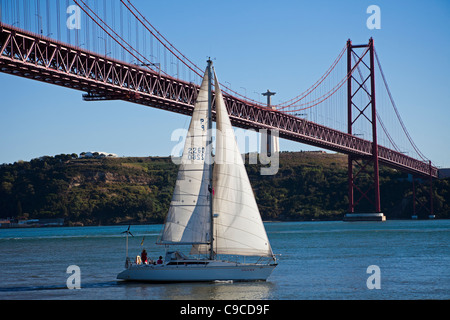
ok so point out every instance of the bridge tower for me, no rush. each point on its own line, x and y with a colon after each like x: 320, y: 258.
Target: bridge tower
x: 361, y: 82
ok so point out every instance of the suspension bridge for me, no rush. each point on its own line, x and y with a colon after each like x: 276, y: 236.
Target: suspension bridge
x: 110, y: 51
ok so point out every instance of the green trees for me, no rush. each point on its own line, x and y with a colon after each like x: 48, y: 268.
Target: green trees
x: 308, y: 186
x: 302, y: 190
x: 87, y: 191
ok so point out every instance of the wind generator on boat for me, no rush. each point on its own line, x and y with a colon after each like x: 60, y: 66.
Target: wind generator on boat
x: 213, y: 209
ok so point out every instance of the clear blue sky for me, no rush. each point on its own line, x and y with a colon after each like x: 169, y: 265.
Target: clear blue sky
x: 280, y: 45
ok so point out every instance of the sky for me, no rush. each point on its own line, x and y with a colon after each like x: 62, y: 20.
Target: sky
x: 283, y: 45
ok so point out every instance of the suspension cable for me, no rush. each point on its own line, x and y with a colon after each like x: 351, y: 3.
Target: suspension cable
x: 115, y: 33
x: 315, y: 85
x: 419, y: 153
x: 189, y: 63
x: 327, y: 95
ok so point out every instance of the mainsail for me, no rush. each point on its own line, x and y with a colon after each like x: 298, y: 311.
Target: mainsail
x: 189, y: 219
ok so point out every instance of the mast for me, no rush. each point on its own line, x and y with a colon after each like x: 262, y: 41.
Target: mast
x: 209, y: 159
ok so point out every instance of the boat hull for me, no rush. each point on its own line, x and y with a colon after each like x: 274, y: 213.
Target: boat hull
x: 213, y: 271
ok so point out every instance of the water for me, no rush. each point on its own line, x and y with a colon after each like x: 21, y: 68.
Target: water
x: 318, y: 260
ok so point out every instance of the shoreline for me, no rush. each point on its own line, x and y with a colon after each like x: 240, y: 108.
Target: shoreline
x: 80, y: 225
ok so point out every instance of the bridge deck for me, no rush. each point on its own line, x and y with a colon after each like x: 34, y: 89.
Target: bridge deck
x: 33, y: 56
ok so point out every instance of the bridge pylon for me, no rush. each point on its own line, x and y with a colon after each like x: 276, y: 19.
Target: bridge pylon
x: 361, y: 105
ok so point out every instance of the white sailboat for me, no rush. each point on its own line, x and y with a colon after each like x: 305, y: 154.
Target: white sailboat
x: 209, y: 201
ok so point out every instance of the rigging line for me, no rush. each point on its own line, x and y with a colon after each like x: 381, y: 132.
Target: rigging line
x: 420, y: 154
x: 126, y: 48
x: 315, y: 85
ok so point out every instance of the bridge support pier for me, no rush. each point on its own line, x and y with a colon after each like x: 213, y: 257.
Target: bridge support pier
x: 364, y: 217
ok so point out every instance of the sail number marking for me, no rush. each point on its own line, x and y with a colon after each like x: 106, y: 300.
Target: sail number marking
x: 196, y: 153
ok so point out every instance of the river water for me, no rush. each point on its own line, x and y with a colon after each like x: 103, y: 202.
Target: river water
x: 317, y: 260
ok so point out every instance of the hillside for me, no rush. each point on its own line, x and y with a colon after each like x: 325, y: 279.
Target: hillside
x: 308, y: 186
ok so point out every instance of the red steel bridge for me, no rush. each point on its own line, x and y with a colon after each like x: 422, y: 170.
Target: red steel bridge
x: 94, y: 61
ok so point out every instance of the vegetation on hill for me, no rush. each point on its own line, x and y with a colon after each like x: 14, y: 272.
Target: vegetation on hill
x: 308, y: 186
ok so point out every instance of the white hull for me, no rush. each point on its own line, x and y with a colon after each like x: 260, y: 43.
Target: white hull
x: 202, y: 271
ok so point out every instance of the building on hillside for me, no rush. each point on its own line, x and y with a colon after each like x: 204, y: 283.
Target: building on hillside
x: 97, y: 155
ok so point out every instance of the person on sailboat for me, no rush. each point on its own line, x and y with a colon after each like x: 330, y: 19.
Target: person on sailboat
x: 144, y: 256
x: 159, y: 260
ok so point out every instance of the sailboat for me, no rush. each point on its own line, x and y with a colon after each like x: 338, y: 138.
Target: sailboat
x: 213, y: 209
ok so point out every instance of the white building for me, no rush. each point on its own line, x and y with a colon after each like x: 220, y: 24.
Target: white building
x: 98, y: 154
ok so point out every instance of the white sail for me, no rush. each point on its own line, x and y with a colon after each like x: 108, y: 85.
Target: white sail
x: 188, y: 220
x: 238, y: 228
